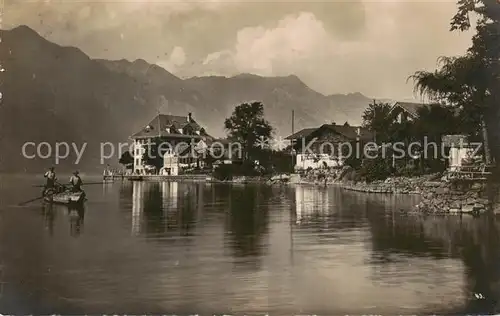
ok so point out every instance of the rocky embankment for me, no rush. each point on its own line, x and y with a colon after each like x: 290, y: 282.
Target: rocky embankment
x: 438, y: 196
x: 395, y: 185
x: 443, y: 199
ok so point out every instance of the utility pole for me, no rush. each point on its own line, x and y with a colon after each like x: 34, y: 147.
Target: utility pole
x: 292, y: 140
x: 374, y: 114
x: 159, y: 127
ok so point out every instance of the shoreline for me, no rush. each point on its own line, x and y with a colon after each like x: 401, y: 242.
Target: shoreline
x: 438, y: 196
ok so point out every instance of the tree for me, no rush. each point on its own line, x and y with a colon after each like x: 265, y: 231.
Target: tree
x: 432, y: 123
x: 153, y: 155
x: 376, y: 118
x: 471, y: 82
x: 127, y: 160
x: 247, y: 126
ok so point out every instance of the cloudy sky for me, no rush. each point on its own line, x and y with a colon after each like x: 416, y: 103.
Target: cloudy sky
x: 333, y: 46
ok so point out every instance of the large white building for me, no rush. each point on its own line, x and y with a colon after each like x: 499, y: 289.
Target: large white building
x: 180, y: 132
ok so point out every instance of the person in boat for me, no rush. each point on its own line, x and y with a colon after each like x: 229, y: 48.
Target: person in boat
x: 76, y: 182
x: 50, y: 183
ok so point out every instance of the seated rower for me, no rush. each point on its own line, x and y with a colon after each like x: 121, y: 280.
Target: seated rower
x: 76, y: 182
x: 50, y: 183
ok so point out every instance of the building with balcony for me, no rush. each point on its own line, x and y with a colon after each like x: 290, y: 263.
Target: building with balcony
x: 180, y: 132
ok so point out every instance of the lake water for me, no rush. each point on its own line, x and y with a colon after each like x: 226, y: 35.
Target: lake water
x: 181, y: 248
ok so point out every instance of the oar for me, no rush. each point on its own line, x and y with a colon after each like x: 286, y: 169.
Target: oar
x: 89, y: 183
x: 33, y: 200
x: 85, y: 183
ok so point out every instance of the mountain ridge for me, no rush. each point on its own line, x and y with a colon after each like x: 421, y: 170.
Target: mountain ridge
x: 53, y: 91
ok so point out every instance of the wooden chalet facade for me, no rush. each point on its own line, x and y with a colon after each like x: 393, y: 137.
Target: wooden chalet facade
x: 325, y: 144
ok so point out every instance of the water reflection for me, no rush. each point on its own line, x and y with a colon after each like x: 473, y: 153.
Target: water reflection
x: 327, y: 208
x: 310, y: 202
x: 160, y: 209
x: 49, y: 215
x: 76, y: 217
x: 137, y: 205
x: 398, y: 241
x: 221, y: 248
x: 247, y: 221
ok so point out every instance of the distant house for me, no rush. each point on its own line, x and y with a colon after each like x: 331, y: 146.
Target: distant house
x: 405, y: 111
x: 179, y: 131
x: 325, y: 142
x: 460, y: 151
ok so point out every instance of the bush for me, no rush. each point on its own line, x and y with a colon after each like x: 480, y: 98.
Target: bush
x: 374, y: 169
x: 224, y: 172
x: 273, y: 162
x: 227, y: 172
x: 353, y: 162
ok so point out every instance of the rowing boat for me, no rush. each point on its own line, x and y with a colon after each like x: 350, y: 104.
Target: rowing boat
x: 66, y: 198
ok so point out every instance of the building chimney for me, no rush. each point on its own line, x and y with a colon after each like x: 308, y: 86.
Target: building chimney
x: 189, y: 118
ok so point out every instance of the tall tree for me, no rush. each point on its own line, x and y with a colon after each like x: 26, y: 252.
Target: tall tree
x: 376, y: 118
x: 432, y: 123
x: 435, y: 121
x: 472, y: 82
x: 247, y: 126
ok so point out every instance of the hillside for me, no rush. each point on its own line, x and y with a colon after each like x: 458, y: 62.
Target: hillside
x: 53, y: 94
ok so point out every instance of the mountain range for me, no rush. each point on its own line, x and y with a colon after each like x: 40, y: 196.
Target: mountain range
x: 52, y: 93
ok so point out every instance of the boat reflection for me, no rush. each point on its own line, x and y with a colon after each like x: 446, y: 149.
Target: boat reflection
x: 76, y: 219
x: 75, y: 214
x: 49, y: 216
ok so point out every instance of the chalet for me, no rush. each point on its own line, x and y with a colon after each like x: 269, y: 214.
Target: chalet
x: 178, y: 131
x: 405, y: 111
x: 327, y: 141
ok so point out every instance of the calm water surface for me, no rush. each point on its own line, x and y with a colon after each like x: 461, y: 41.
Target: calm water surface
x: 139, y: 247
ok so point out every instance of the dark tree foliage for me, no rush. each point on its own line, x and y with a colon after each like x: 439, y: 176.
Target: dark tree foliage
x: 127, y: 160
x: 248, y: 126
x: 153, y: 155
x: 435, y: 121
x: 376, y: 118
x: 471, y: 82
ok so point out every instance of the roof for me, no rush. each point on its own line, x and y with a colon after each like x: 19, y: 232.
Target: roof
x: 170, y: 125
x: 409, y: 107
x: 302, y: 133
x: 350, y: 132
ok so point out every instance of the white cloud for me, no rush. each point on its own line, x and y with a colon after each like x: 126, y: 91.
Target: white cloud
x: 370, y: 46
x: 297, y: 38
x: 263, y: 51
x: 399, y: 38
x: 178, y: 56
x: 176, y: 59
